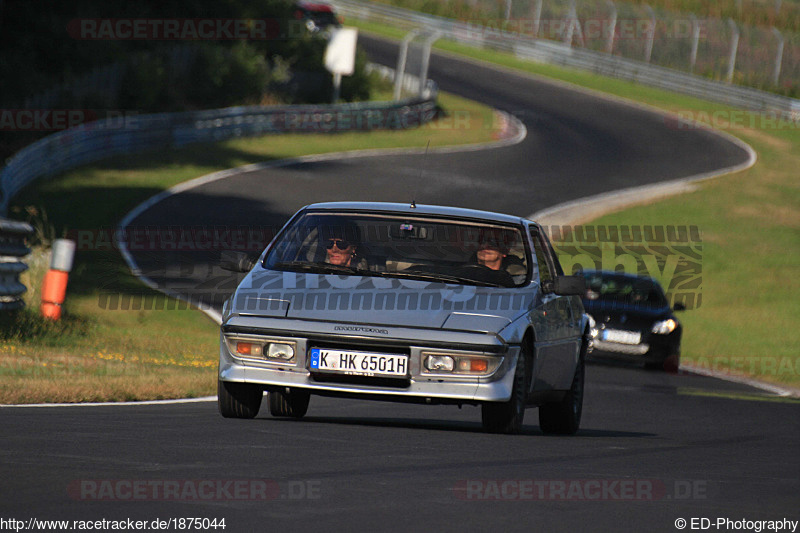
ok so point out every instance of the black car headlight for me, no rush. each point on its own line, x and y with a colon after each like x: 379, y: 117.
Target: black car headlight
x: 664, y: 327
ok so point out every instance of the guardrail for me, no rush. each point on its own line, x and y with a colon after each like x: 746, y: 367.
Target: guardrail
x: 99, y: 140
x: 561, y: 54
x: 12, y: 249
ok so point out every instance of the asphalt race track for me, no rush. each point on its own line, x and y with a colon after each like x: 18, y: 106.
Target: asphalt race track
x: 653, y: 447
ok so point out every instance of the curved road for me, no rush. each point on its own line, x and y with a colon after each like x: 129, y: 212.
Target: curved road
x: 653, y: 447
x: 577, y: 145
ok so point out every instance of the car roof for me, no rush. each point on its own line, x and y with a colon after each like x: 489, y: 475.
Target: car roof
x: 419, y: 209
x: 315, y: 6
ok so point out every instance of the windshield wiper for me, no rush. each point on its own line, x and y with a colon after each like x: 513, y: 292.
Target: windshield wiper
x: 320, y: 268
x: 444, y: 278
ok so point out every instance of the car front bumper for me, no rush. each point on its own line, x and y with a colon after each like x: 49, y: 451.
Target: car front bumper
x: 418, y: 386
x: 650, y: 350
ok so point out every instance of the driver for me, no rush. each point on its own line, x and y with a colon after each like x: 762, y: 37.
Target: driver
x: 341, y: 243
x: 339, y: 251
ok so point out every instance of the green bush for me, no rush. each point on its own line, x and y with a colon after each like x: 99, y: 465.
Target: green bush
x: 358, y: 87
x: 143, y: 85
x: 310, y: 82
x: 159, y: 76
x: 221, y: 77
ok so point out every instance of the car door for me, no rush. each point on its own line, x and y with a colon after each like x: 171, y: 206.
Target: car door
x: 557, y: 343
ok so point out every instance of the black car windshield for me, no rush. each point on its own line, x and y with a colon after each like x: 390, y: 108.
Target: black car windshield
x: 398, y: 246
x: 323, y: 18
x: 624, y: 290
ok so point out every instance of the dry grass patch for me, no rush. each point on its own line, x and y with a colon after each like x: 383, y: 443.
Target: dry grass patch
x: 162, y: 385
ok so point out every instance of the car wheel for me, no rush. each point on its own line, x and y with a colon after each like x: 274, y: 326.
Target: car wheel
x: 564, y: 417
x: 292, y: 403
x: 506, y: 417
x: 238, y: 400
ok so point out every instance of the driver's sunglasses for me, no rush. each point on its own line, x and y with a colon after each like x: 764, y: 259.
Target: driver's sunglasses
x: 340, y: 244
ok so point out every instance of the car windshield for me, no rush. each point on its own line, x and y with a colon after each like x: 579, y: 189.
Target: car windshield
x: 624, y: 290
x: 323, y: 18
x: 398, y: 246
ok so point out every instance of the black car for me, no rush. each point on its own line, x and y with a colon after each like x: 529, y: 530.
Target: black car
x: 632, y: 319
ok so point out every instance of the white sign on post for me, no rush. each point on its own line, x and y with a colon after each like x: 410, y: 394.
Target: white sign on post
x: 340, y: 56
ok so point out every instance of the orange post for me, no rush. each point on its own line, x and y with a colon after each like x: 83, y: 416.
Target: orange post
x: 54, y: 286
x: 54, y: 289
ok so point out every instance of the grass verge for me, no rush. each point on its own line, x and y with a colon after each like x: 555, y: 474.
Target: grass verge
x: 750, y: 224
x: 94, y: 354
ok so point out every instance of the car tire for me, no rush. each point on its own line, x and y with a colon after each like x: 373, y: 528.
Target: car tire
x: 292, y: 403
x: 564, y: 417
x: 238, y: 400
x: 506, y: 417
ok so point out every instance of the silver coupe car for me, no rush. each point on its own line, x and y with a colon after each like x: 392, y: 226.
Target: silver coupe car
x: 406, y: 303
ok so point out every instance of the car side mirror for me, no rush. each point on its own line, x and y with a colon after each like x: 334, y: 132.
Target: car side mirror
x: 569, y: 285
x: 679, y: 307
x: 236, y: 261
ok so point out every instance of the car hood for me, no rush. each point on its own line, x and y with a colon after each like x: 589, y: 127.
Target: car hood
x: 605, y: 312
x: 378, y: 301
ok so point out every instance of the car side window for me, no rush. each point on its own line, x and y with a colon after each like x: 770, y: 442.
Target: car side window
x: 545, y: 271
x: 556, y: 263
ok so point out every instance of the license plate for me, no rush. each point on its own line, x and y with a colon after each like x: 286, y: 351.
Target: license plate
x: 622, y: 337
x: 358, y: 363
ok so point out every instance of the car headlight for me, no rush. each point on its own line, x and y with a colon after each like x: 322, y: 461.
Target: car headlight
x: 440, y: 363
x: 462, y: 364
x: 278, y: 350
x: 664, y: 327
x: 263, y: 349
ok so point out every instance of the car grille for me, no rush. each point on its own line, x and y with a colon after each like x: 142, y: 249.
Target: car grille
x: 361, y: 346
x: 361, y: 381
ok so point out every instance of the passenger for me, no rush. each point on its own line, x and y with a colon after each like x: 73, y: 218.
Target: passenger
x: 491, y: 254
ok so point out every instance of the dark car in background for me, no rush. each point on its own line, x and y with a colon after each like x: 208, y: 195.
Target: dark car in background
x: 317, y: 17
x: 633, y: 319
